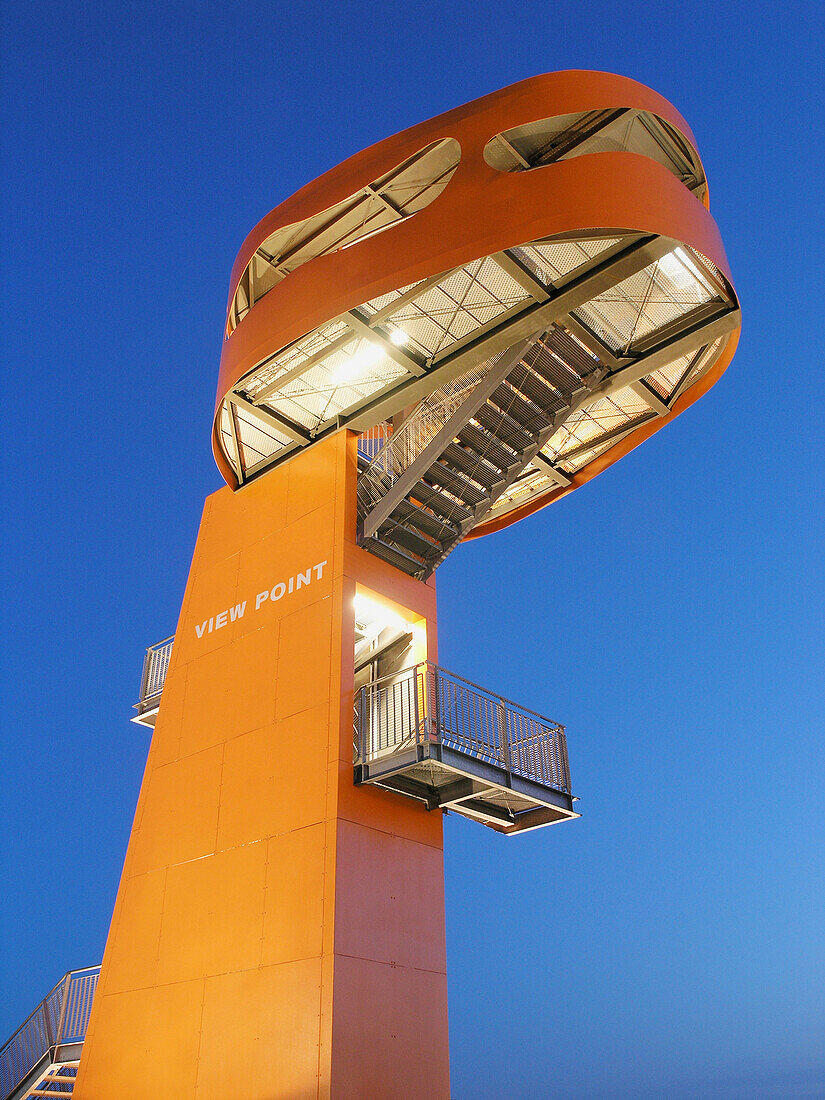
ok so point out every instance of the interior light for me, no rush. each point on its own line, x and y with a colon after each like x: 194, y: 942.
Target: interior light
x: 398, y: 338
x: 682, y: 271
x: 371, y: 613
x: 368, y: 356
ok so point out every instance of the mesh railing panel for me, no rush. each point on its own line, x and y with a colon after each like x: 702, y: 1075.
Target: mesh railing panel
x: 155, y: 667
x: 404, y: 446
x: 24, y: 1050
x: 390, y: 715
x: 62, y: 1017
x: 79, y: 1005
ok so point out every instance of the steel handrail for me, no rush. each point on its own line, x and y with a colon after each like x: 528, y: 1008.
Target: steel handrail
x: 427, y: 703
x: 470, y: 683
x: 404, y: 445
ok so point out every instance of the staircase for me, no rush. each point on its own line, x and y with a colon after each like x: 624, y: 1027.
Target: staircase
x: 443, y: 469
x: 42, y: 1056
x: 58, y: 1080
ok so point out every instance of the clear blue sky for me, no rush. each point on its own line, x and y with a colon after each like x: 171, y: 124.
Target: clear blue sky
x: 671, y: 943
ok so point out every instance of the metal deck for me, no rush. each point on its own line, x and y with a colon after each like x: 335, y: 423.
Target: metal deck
x: 453, y: 745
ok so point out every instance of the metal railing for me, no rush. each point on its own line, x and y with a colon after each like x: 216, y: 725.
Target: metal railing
x: 60, y: 1019
x: 373, y: 439
x: 402, y: 447
x: 155, y: 667
x: 426, y: 704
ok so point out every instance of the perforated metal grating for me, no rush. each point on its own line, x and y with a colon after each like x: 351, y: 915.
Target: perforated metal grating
x: 321, y: 380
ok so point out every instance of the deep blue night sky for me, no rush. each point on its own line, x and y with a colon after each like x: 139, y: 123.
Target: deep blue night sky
x: 671, y: 943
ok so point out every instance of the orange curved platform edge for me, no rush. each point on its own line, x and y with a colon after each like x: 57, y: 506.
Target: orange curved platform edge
x: 612, y: 190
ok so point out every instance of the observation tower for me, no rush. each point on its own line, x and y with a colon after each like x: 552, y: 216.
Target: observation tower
x: 448, y: 331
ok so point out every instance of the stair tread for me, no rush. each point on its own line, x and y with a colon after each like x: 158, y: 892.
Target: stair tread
x: 482, y: 443
x: 531, y: 418
x: 408, y: 538
x: 469, y: 462
x: 504, y: 427
x: 532, y: 385
x: 451, y: 510
x: 441, y: 474
x: 551, y: 359
x: 395, y: 557
x: 415, y: 515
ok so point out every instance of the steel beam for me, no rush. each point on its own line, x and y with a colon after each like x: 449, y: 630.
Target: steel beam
x: 650, y: 397
x: 544, y: 464
x: 522, y: 275
x: 613, y: 436
x: 704, y: 332
x: 236, y: 446
x: 682, y: 384
x: 275, y: 420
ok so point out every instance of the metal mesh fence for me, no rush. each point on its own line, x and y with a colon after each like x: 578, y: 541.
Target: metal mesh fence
x: 61, y: 1017
x: 155, y: 667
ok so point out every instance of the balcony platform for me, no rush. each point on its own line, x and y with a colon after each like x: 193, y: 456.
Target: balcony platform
x: 155, y: 667
x: 429, y: 735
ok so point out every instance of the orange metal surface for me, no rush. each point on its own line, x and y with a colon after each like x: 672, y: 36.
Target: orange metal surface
x: 278, y: 932
x: 615, y: 190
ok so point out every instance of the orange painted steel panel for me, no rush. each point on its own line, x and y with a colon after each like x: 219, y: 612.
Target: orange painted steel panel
x: 296, y: 869
x: 400, y: 998
x: 247, y: 1010
x: 256, y: 869
x: 137, y: 929
x: 613, y: 190
x: 178, y: 819
x: 398, y: 878
x: 213, y: 914
x: 143, y: 1043
x: 255, y: 796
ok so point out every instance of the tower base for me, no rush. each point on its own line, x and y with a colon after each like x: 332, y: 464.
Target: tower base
x: 278, y: 932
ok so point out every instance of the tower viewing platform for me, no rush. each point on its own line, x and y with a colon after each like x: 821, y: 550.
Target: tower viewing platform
x: 453, y: 328
x: 503, y: 312
x: 453, y: 745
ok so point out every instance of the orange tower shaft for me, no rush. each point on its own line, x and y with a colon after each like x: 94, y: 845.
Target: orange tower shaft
x: 277, y: 932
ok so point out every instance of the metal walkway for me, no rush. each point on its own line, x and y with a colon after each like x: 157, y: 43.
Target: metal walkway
x: 430, y: 735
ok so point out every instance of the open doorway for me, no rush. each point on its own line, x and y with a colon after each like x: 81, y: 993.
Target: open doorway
x: 390, y: 648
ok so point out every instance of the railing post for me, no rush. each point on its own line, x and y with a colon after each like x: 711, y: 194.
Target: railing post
x: 418, y: 709
x: 144, y: 679
x: 505, y: 739
x: 47, y: 1027
x: 356, y: 727
x: 434, y: 671
x: 564, y: 760
x: 362, y: 731
x: 67, y: 984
